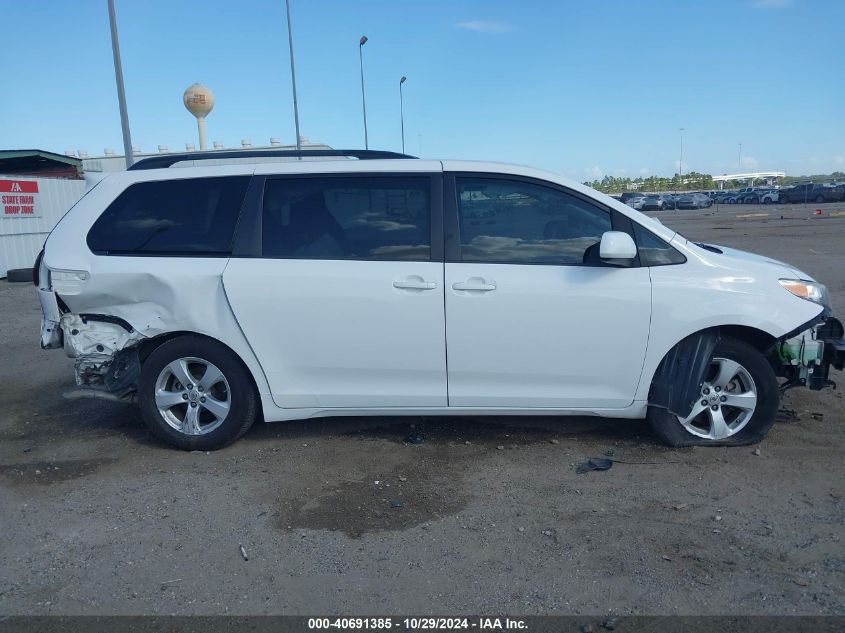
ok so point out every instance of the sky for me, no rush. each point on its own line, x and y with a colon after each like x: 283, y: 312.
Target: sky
x: 583, y: 88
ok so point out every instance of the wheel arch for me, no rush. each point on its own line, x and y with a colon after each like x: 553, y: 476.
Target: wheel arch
x: 148, y: 346
x: 669, y: 387
x: 761, y: 340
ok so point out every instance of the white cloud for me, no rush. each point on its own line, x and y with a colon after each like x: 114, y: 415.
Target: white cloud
x: 749, y: 162
x: 485, y: 26
x: 594, y: 172
x: 772, y: 4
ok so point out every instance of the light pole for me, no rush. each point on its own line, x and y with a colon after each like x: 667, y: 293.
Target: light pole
x: 402, y: 110
x: 681, y: 162
x: 293, y: 77
x: 361, y: 43
x: 121, y: 95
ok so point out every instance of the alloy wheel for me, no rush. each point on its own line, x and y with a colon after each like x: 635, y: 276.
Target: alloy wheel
x: 192, y: 396
x: 726, y: 403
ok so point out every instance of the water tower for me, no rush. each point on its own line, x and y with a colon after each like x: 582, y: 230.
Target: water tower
x: 199, y: 101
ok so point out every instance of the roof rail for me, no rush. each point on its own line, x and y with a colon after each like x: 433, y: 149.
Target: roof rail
x: 168, y: 160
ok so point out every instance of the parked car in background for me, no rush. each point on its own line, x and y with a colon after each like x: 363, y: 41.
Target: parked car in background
x: 670, y: 201
x: 737, y: 196
x: 636, y: 202
x: 770, y: 196
x: 653, y: 203
x: 628, y: 195
x: 813, y: 192
x: 693, y: 200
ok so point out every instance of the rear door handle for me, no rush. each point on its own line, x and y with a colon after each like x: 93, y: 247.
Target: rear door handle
x: 474, y: 283
x: 414, y: 283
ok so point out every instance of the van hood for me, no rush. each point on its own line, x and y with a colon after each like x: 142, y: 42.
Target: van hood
x: 745, y: 256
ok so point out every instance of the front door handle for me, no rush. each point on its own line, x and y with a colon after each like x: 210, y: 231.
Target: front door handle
x: 414, y: 283
x: 474, y: 284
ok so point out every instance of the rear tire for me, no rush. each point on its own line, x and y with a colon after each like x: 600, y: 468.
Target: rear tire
x: 754, y: 375
x: 196, y: 394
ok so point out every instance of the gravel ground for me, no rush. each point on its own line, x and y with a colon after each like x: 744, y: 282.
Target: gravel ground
x: 485, y: 515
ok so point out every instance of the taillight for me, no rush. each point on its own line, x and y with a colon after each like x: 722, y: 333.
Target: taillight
x: 36, y: 270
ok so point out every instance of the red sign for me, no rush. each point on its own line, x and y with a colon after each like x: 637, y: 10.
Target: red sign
x: 17, y: 198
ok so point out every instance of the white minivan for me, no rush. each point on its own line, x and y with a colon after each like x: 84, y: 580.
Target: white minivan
x: 370, y: 283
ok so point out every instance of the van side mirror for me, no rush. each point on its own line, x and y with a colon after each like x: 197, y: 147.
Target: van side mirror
x: 615, y: 246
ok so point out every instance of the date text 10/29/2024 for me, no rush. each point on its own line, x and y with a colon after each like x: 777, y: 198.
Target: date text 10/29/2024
x: 415, y: 624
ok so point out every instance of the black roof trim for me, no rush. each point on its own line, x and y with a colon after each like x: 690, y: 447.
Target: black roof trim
x: 167, y: 160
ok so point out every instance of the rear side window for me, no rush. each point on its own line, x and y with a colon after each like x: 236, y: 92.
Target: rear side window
x: 195, y: 216
x: 514, y: 222
x: 361, y: 217
x: 653, y: 250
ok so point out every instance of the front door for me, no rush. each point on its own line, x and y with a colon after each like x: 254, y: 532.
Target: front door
x: 533, y: 317
x: 344, y: 305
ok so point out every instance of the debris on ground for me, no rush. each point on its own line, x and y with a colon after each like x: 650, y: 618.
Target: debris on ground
x: 594, y: 463
x: 609, y: 452
x: 500, y: 448
x: 395, y: 503
x: 415, y: 437
x: 757, y: 451
x: 401, y: 478
x: 817, y: 416
x: 787, y: 415
x: 554, y: 441
x: 666, y: 557
x: 243, y: 551
x: 610, y: 623
x: 521, y: 529
x: 679, y: 506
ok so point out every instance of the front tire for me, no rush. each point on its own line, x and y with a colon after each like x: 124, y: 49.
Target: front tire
x: 737, y: 404
x: 195, y: 394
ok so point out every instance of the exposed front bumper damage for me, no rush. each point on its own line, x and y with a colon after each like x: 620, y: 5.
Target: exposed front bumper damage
x: 105, y: 348
x: 805, y: 358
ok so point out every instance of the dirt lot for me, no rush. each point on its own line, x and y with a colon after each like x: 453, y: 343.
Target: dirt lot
x: 485, y: 515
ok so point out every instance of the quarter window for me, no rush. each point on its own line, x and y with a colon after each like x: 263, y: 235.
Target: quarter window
x: 509, y: 221
x: 364, y: 217
x: 654, y: 251
x: 195, y: 216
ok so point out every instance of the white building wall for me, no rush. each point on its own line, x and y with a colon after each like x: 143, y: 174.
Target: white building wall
x: 21, y: 238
